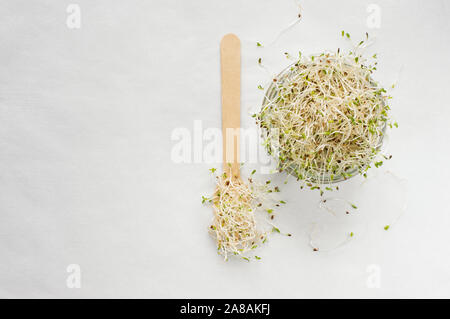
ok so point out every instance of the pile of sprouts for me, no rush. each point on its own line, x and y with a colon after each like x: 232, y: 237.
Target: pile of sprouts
x: 325, y: 117
x: 242, y: 219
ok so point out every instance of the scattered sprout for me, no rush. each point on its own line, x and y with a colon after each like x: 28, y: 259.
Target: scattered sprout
x: 258, y: 44
x: 386, y: 227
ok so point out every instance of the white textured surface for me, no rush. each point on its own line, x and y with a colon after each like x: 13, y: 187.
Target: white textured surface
x: 86, y: 177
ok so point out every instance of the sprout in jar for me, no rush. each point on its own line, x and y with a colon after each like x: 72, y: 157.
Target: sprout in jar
x: 325, y: 117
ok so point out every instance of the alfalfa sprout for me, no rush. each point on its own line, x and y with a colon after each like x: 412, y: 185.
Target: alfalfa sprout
x: 243, y: 214
x: 329, y: 117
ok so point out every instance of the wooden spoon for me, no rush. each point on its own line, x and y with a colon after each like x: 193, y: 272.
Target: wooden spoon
x: 230, y: 62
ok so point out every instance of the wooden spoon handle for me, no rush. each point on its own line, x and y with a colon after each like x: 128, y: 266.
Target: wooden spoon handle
x: 230, y: 62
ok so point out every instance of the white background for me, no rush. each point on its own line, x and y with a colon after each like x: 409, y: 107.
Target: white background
x: 86, y: 175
